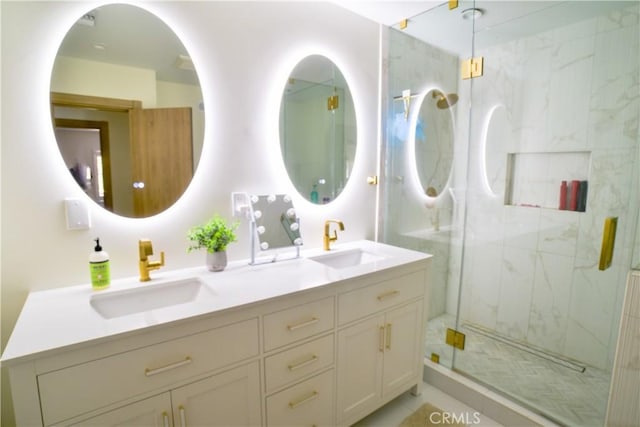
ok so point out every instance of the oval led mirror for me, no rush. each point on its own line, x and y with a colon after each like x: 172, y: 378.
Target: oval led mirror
x: 434, y: 141
x: 318, y: 129
x: 127, y: 110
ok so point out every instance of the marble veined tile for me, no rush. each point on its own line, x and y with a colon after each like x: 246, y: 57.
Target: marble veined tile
x: 516, y: 283
x: 558, y: 232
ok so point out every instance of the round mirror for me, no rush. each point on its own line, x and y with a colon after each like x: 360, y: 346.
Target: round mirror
x: 318, y: 129
x: 127, y: 110
x: 434, y: 141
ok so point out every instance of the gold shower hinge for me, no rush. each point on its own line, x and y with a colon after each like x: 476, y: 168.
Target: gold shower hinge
x: 435, y: 357
x: 453, y: 4
x: 372, y: 180
x: 455, y: 338
x: 332, y: 102
x: 404, y: 24
x: 472, y: 67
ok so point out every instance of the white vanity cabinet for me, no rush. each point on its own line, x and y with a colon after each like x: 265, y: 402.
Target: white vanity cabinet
x: 292, y: 344
x: 380, y: 347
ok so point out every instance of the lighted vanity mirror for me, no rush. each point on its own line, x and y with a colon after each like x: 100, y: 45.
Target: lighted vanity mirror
x: 318, y: 129
x: 434, y: 141
x: 275, y: 221
x: 127, y: 110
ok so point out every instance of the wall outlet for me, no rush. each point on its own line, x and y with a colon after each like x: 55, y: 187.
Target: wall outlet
x: 77, y: 214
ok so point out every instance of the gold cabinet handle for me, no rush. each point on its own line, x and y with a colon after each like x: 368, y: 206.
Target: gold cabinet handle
x: 295, y: 403
x: 183, y: 416
x: 304, y: 363
x: 381, y: 339
x: 386, y: 295
x: 310, y: 322
x: 165, y: 419
x: 150, y: 372
x: 388, y: 340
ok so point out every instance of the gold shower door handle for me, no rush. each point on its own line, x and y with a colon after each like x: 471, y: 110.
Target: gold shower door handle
x: 608, y: 242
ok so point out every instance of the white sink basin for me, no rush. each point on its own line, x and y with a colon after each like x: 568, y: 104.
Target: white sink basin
x: 149, y: 297
x: 347, y: 258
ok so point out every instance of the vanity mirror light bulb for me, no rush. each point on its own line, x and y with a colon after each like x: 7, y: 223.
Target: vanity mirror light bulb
x: 261, y: 229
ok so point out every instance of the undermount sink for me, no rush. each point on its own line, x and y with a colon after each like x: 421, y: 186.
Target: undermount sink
x: 347, y: 258
x: 149, y: 297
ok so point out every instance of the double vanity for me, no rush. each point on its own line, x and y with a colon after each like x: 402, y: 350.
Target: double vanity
x: 323, y: 339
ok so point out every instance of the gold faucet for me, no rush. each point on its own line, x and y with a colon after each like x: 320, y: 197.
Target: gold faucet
x: 146, y: 249
x: 327, y: 238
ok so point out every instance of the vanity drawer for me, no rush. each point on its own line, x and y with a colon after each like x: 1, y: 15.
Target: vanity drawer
x: 309, y: 403
x: 299, y: 322
x: 293, y: 364
x: 77, y: 389
x: 371, y: 299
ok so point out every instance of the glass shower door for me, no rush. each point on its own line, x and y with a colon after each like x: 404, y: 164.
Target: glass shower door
x: 544, y: 155
x: 553, y: 161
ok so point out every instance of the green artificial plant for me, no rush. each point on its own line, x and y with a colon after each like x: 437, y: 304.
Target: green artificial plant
x: 214, y: 235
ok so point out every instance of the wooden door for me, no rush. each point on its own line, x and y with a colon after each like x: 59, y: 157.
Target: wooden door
x: 162, y: 157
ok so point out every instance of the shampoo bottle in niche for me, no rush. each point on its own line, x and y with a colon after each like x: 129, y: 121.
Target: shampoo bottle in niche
x: 99, y: 267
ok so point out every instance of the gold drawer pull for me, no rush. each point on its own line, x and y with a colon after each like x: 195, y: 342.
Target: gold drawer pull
x: 303, y: 324
x: 150, y: 372
x: 309, y: 361
x: 165, y: 419
x: 386, y: 295
x: 183, y: 416
x: 381, y: 339
x: 295, y: 403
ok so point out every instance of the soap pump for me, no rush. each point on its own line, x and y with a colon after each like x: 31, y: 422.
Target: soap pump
x: 314, y: 194
x: 99, y: 267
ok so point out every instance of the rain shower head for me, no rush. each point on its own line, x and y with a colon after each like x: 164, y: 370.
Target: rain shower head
x: 445, y: 102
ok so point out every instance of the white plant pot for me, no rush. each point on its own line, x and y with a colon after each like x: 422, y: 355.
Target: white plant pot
x: 216, y: 261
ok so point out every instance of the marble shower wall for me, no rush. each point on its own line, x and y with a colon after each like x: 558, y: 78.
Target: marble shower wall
x: 566, y: 105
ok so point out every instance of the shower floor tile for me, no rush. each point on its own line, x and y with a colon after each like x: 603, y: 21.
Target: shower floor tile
x: 567, y: 396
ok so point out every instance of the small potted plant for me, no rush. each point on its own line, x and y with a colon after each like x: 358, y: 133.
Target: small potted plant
x: 214, y: 236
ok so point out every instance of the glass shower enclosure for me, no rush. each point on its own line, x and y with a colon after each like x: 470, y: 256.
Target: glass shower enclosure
x: 523, y: 183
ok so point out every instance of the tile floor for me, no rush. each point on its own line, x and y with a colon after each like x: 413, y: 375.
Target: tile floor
x: 392, y: 414
x: 570, y: 397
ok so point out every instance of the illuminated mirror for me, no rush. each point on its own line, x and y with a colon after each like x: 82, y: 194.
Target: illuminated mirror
x: 434, y: 141
x: 127, y: 110
x: 318, y: 129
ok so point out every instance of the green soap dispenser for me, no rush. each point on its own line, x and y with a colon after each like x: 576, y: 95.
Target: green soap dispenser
x: 99, y: 267
x: 314, y: 194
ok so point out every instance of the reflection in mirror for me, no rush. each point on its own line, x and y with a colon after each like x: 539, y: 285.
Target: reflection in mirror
x: 434, y: 141
x: 275, y: 224
x: 127, y: 110
x: 318, y: 129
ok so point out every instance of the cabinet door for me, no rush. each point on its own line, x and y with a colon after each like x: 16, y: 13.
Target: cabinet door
x: 153, y: 412
x: 231, y: 398
x: 402, y: 355
x: 360, y: 358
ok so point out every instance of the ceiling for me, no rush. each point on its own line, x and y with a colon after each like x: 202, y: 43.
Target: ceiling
x: 130, y: 35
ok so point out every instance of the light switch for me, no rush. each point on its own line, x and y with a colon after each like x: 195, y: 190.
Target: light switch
x: 77, y: 213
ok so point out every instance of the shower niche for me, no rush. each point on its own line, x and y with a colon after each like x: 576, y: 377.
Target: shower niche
x: 551, y: 180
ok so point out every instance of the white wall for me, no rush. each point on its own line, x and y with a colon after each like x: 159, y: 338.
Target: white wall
x: 243, y: 52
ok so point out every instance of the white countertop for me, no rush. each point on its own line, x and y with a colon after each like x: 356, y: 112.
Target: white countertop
x: 53, y: 319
